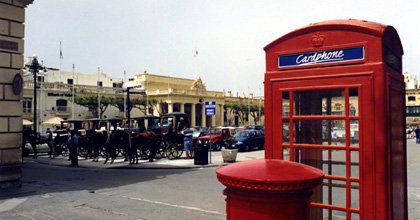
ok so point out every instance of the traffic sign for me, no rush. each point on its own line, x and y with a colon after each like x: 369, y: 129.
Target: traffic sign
x: 210, y: 108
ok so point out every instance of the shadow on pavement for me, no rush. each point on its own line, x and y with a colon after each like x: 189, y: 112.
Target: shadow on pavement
x: 42, y: 179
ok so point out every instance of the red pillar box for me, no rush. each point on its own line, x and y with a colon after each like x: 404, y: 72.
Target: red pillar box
x: 268, y: 189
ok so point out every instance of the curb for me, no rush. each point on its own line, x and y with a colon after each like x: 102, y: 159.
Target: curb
x: 144, y: 165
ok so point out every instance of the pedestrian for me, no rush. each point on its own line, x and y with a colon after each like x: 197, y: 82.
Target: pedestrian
x: 417, y: 132
x: 50, y: 143
x: 32, y: 140
x: 181, y: 125
x: 74, y: 144
x: 188, y: 143
x: 25, y: 138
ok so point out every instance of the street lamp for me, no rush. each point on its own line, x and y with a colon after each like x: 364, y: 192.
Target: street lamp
x: 35, y: 67
x: 127, y: 93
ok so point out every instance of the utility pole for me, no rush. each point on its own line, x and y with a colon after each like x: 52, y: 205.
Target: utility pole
x: 147, y: 96
x: 249, y: 107
x: 99, y: 96
x: 72, y: 96
x: 259, y: 109
x: 34, y: 68
x: 125, y: 100
x: 127, y: 90
x: 41, y: 100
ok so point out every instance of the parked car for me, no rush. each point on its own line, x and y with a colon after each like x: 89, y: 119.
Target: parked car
x: 41, y: 145
x: 410, y: 132
x: 216, y: 137
x: 248, y: 139
x: 255, y: 127
x: 199, y: 132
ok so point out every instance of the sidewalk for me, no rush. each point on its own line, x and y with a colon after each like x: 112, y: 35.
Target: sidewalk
x: 216, y: 161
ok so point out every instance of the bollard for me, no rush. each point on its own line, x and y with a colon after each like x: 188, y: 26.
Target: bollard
x: 268, y: 189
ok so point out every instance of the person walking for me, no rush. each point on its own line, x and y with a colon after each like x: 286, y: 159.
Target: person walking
x: 32, y: 141
x: 417, y: 132
x: 74, y: 144
x: 25, y: 138
x: 188, y: 143
x: 50, y: 143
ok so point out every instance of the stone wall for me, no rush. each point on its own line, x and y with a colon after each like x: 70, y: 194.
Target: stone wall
x: 12, y: 17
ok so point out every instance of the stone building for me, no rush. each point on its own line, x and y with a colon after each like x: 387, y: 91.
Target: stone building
x: 55, y: 92
x: 169, y: 94
x: 12, y: 32
x: 412, y: 99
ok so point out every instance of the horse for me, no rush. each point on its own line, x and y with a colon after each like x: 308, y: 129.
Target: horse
x: 147, y: 142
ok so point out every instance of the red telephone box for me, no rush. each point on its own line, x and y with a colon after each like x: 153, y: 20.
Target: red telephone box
x: 334, y: 99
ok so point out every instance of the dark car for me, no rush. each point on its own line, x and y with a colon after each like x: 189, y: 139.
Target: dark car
x: 255, y: 127
x: 248, y: 139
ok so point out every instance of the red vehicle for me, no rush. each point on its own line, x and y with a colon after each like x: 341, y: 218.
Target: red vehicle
x: 215, y: 137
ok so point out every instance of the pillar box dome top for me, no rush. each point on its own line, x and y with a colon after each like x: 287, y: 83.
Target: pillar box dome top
x: 270, y: 174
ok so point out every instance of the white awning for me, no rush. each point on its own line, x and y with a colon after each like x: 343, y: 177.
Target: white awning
x: 26, y: 122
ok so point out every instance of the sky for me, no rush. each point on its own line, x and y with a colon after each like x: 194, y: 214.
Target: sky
x: 162, y: 36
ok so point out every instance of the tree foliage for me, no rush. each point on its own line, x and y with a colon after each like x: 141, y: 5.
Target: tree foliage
x: 144, y: 104
x: 242, y: 111
x: 91, y: 102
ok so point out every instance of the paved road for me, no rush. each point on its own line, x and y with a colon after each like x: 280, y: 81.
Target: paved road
x: 59, y: 192
x: 413, y: 177
x: 78, y: 193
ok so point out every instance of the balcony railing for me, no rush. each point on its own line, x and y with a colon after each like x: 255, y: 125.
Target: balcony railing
x: 185, y: 92
x: 27, y: 110
x: 67, y: 87
x: 62, y: 109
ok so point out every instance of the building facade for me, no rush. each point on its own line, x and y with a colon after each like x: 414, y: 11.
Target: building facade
x: 12, y: 32
x: 412, y: 99
x: 165, y: 94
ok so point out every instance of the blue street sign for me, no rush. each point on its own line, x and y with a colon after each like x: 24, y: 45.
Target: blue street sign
x: 210, y: 108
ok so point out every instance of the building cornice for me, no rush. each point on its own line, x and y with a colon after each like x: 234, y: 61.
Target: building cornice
x: 25, y: 3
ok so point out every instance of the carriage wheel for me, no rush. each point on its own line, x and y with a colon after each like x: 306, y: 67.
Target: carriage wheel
x: 65, y: 150
x: 173, y: 151
x: 61, y: 149
x: 82, y: 151
x: 139, y: 152
x: 144, y: 152
x: 102, y: 152
x: 180, y: 150
x: 119, y: 152
x: 161, y: 150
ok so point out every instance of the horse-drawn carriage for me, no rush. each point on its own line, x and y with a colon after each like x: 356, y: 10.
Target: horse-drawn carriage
x: 158, y: 137
x: 151, y: 136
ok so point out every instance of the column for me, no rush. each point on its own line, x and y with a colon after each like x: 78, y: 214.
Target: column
x: 203, y: 116
x: 213, y: 120
x: 12, y: 29
x: 170, y: 107
x: 157, y: 109
x: 181, y: 107
x: 193, y: 115
x: 222, y: 115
